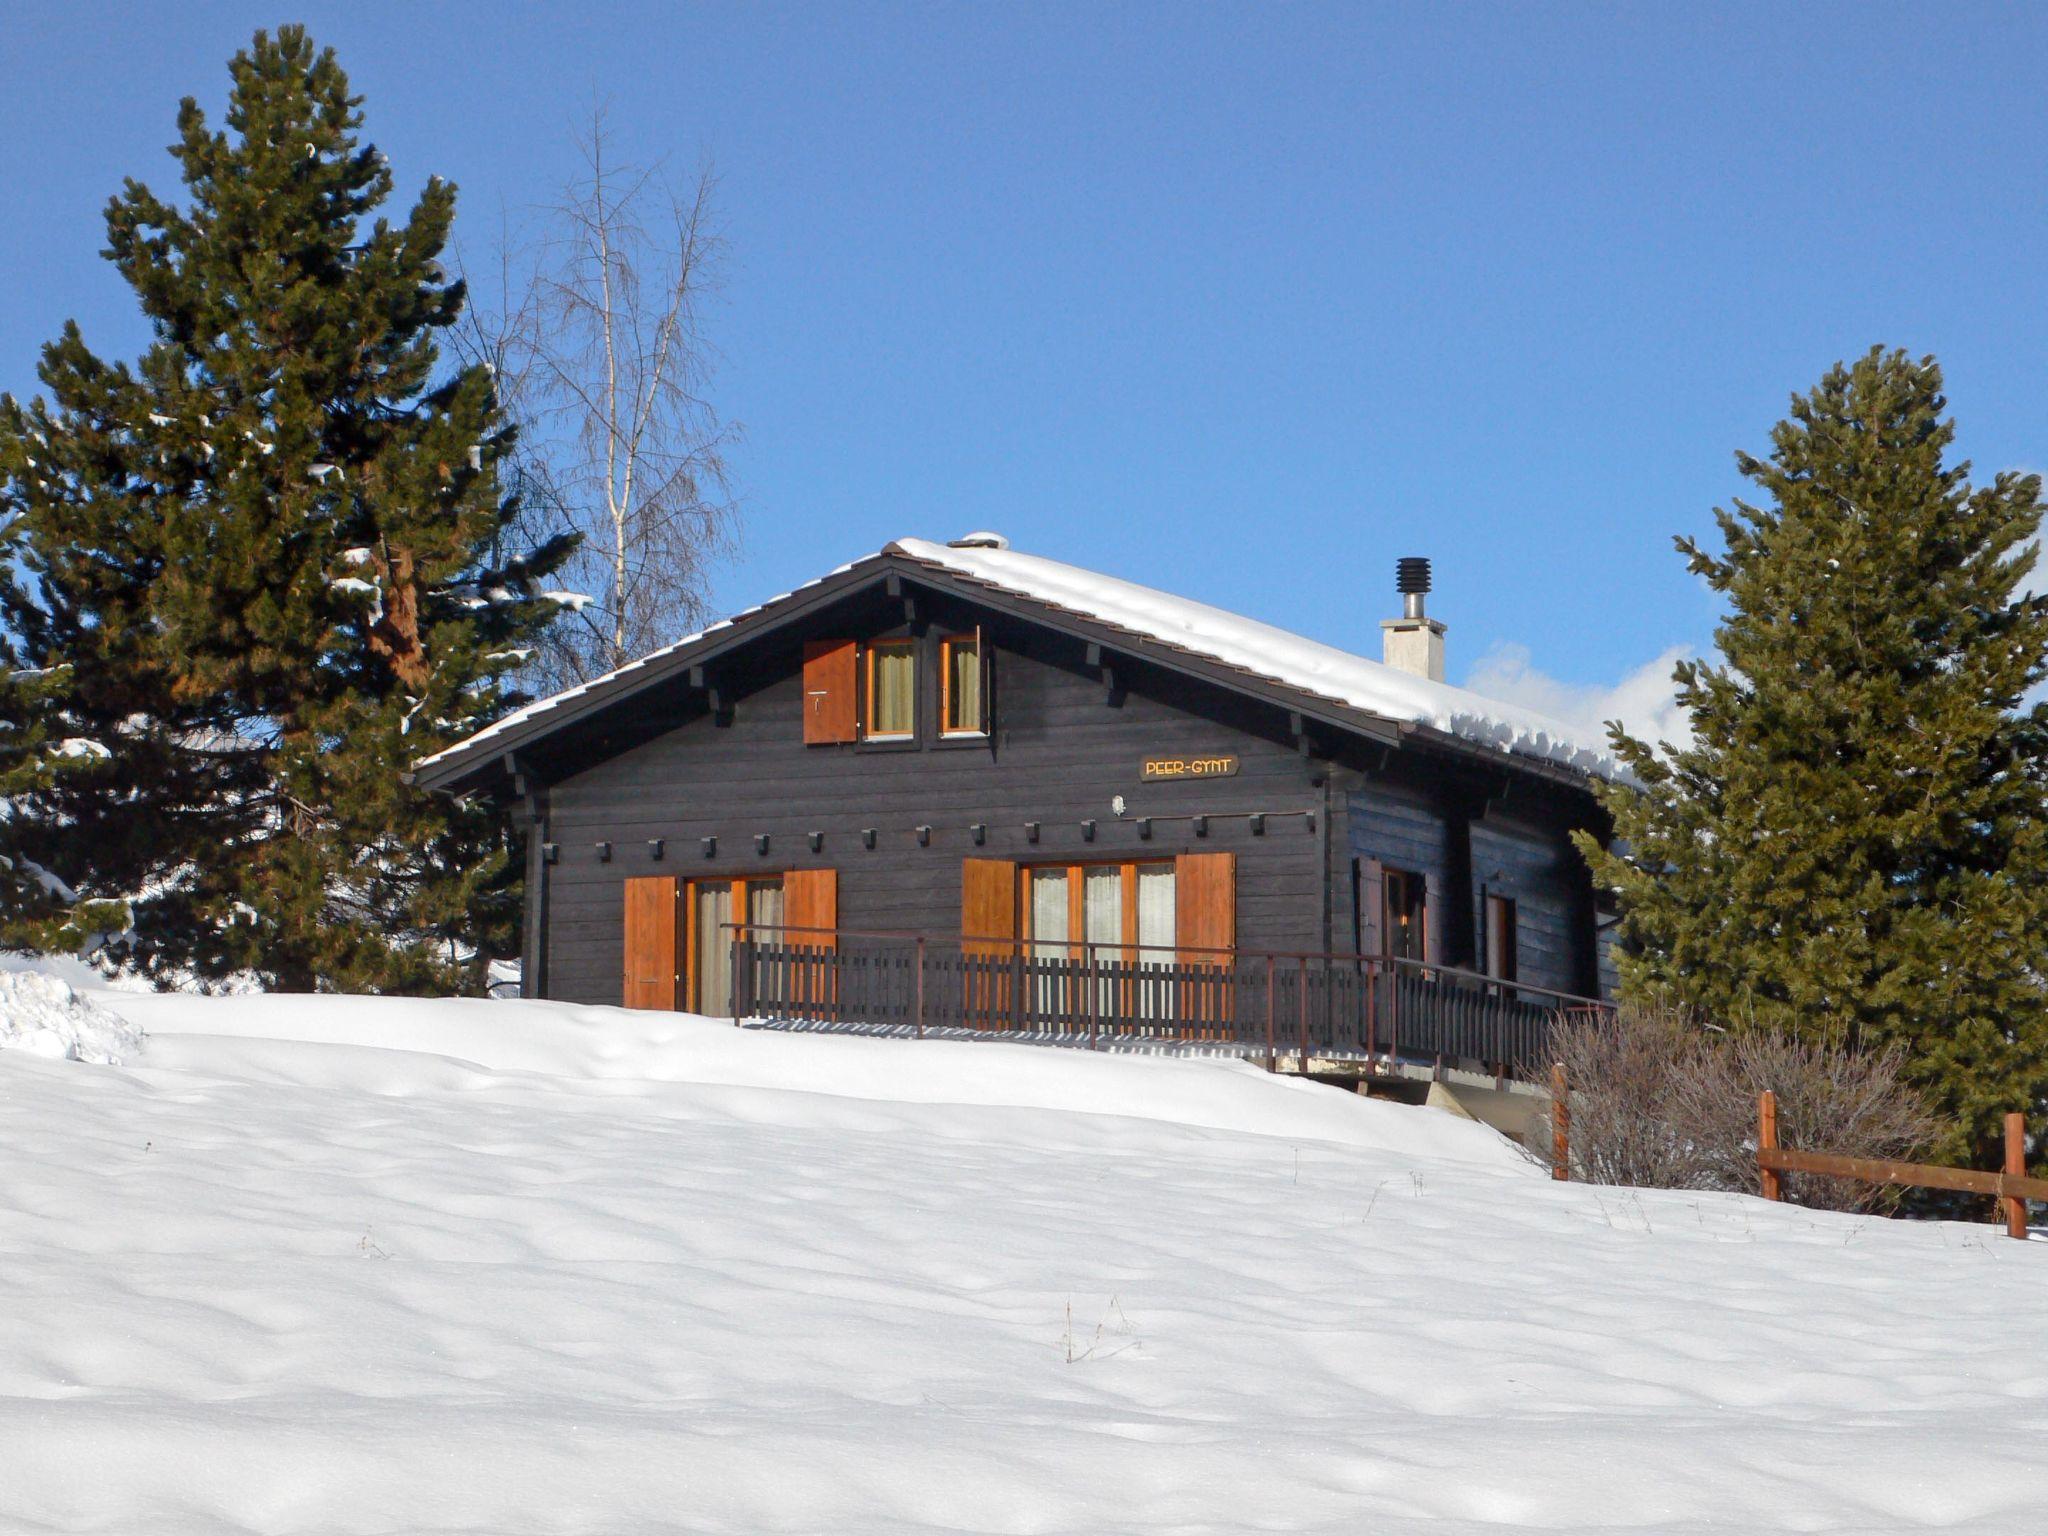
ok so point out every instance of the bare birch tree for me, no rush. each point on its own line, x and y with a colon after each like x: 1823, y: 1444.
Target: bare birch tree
x: 601, y: 355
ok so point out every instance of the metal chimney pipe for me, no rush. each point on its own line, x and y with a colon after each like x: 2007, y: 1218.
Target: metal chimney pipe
x: 1411, y: 580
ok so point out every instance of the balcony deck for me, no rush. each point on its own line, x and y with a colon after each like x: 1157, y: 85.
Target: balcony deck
x: 1318, y: 1014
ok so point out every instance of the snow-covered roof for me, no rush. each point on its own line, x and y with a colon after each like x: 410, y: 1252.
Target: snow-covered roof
x: 1261, y: 650
x: 1266, y: 651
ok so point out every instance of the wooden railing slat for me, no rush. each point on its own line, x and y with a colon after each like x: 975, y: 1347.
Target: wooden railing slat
x: 1319, y: 1003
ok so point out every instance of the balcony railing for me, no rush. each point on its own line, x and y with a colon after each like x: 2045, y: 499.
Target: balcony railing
x: 1262, y: 1002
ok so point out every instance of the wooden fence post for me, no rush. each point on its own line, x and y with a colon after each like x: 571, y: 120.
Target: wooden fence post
x: 1767, y: 1141
x: 2015, y: 1167
x: 1560, y: 1125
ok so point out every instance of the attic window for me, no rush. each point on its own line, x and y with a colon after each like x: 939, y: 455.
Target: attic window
x: 963, y: 686
x: 892, y: 690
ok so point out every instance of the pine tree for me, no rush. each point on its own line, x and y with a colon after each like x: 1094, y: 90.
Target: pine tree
x: 33, y: 902
x: 1853, y: 845
x: 267, y: 563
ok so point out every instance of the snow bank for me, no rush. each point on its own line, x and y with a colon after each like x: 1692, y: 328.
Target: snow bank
x: 333, y: 1264
x: 46, y: 1016
x: 571, y: 1045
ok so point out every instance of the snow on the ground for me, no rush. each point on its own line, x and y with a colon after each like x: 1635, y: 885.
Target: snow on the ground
x: 354, y: 1265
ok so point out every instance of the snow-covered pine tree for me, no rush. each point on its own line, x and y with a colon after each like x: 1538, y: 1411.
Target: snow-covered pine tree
x: 1855, y: 843
x: 267, y: 563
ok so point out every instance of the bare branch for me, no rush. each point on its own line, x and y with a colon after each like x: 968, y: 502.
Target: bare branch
x: 598, y: 346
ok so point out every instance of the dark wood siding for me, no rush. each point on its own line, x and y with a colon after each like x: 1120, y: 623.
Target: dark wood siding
x: 1542, y: 873
x: 1063, y: 746
x: 1406, y: 827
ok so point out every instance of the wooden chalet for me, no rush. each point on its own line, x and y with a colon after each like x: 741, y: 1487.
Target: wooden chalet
x: 960, y: 786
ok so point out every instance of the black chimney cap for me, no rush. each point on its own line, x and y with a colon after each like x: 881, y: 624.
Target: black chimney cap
x: 1411, y: 574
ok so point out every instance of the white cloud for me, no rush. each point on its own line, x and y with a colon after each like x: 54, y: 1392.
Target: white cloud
x: 1642, y: 701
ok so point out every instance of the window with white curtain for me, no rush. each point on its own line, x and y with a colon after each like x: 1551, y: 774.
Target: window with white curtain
x: 1155, y: 928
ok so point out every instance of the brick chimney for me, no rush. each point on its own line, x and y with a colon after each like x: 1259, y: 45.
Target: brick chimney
x: 1414, y: 642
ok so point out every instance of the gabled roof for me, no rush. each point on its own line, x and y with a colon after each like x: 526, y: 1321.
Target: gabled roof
x: 1331, y: 685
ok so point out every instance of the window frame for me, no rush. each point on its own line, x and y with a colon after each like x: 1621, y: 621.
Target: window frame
x: 1504, y: 905
x: 947, y: 645
x: 1406, y: 881
x: 1074, y: 939
x: 1073, y: 943
x: 737, y: 893
x: 870, y: 649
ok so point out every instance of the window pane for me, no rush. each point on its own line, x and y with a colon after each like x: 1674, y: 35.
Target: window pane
x: 1048, y: 921
x: 1049, y: 910
x: 1102, y: 905
x: 1155, y: 911
x: 895, y: 683
x: 1102, y: 923
x: 1404, y: 915
x: 764, y: 906
x: 1155, y: 926
x: 714, y: 948
x: 963, y: 686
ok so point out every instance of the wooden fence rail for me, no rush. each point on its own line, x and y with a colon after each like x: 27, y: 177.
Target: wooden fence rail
x: 2012, y: 1185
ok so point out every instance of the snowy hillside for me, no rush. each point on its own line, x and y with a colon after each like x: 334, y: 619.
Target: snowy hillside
x: 304, y: 1265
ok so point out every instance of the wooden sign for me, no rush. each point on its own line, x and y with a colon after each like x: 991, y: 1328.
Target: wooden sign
x: 1158, y: 768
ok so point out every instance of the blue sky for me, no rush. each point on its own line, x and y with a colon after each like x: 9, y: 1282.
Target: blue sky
x: 1242, y: 302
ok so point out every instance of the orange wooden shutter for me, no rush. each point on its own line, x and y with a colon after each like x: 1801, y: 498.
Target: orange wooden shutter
x: 1205, y: 904
x: 810, y: 899
x: 651, y: 977
x: 1205, y: 919
x: 830, y: 674
x: 988, y: 911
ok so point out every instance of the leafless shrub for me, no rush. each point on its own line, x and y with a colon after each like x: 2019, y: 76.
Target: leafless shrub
x: 1830, y: 1099
x: 1624, y: 1070
x: 1659, y: 1100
